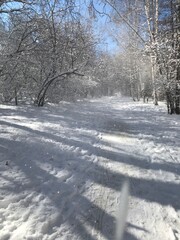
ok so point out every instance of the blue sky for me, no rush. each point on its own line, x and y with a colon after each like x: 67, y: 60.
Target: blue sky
x: 102, y: 28
x: 101, y: 25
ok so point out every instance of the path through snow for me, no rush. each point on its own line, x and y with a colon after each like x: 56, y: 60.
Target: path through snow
x: 62, y: 168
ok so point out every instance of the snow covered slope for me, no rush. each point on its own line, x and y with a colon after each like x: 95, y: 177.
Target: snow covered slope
x: 62, y: 169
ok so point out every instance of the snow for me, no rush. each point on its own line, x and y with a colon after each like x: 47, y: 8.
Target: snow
x: 62, y: 168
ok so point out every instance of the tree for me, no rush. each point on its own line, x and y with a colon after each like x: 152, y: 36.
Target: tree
x: 11, y: 6
x: 147, y: 21
x: 169, y: 63
x: 44, y: 48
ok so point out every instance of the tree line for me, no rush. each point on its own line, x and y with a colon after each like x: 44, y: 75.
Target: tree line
x: 49, y: 51
x: 149, y: 32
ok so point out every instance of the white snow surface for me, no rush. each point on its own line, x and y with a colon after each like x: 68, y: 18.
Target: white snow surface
x: 62, y: 168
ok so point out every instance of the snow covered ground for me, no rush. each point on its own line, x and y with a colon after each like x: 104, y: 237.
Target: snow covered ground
x: 62, y: 169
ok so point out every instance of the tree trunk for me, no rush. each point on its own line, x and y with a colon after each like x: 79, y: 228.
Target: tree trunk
x: 177, y: 101
x: 16, y: 97
x: 153, y: 75
x: 42, y: 93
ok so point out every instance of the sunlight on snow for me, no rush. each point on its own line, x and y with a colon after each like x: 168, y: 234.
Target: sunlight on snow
x: 119, y: 139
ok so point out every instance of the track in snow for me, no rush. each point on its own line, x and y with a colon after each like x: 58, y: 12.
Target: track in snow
x: 67, y: 163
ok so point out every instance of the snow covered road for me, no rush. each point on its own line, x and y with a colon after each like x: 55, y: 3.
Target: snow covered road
x: 62, y: 168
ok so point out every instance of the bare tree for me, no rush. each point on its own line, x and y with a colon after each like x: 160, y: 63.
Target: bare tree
x: 43, y: 49
x: 146, y: 20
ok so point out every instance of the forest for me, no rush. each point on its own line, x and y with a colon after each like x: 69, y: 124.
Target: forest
x: 51, y: 50
x: 89, y: 120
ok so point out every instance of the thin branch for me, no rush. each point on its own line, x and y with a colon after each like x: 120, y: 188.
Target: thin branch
x: 122, y: 17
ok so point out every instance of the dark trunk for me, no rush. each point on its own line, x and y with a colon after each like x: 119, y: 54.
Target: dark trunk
x: 16, y: 97
x: 177, y: 100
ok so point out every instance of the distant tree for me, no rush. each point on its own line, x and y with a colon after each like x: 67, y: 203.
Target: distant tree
x: 148, y: 24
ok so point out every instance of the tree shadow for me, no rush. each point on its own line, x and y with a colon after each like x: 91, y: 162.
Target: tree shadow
x: 84, y: 210
x: 73, y: 207
x: 120, y: 156
x: 169, y: 192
